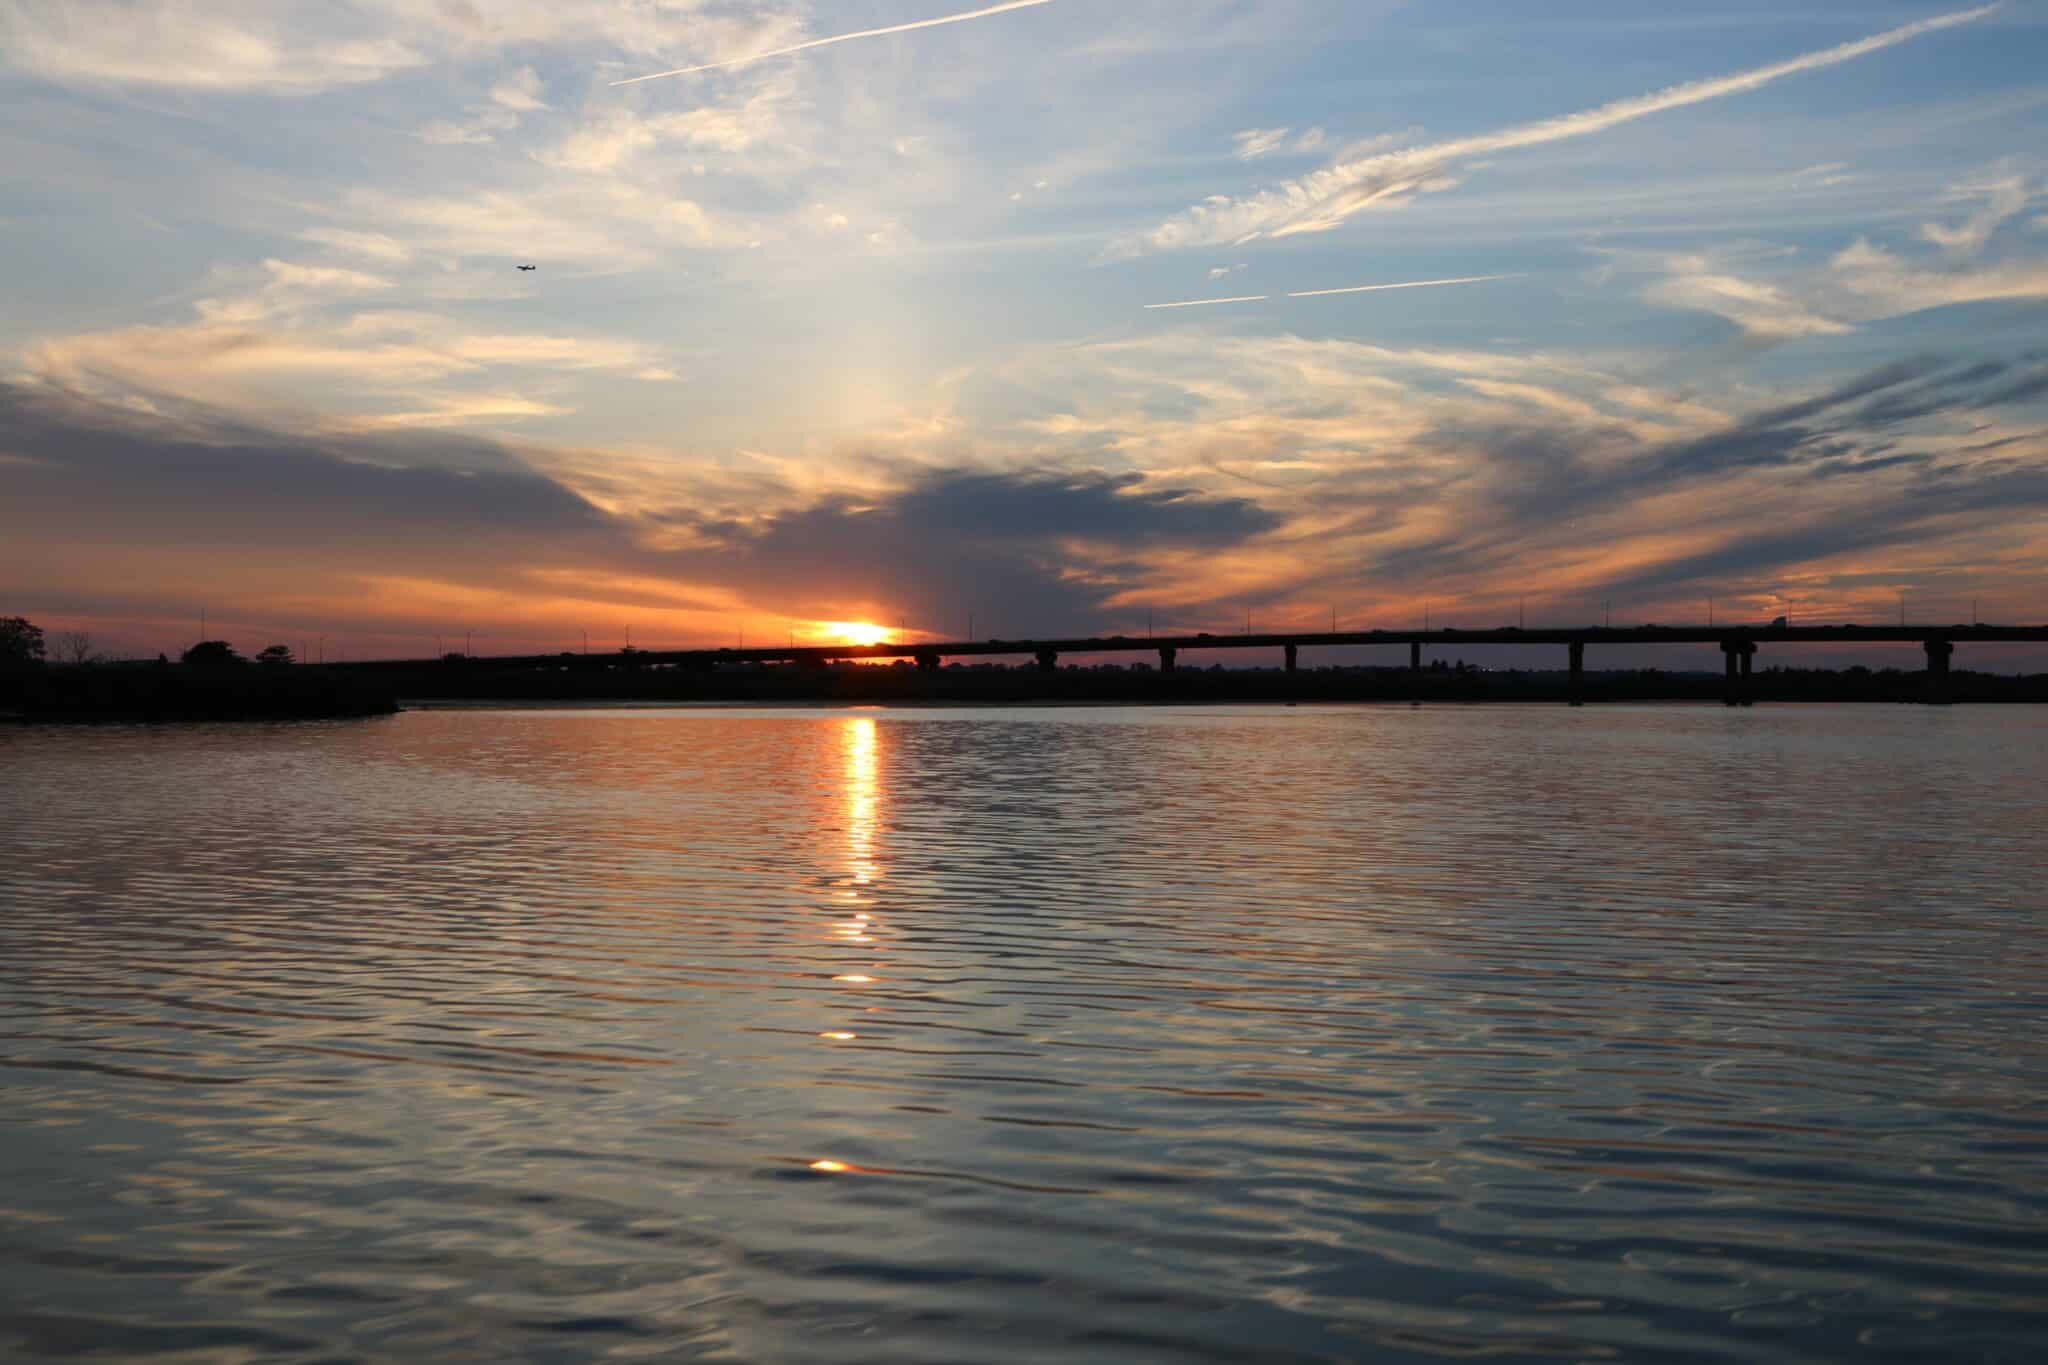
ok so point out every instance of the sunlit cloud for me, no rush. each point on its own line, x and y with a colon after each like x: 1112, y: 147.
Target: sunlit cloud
x: 375, y: 245
x: 1253, y: 143
x: 1326, y: 199
x: 198, y: 47
x: 841, y: 38
x: 1862, y: 282
x: 276, y: 48
x: 300, y: 325
x: 2004, y: 199
x: 761, y: 119
x: 1762, y: 310
x: 460, y: 409
x: 1889, y: 285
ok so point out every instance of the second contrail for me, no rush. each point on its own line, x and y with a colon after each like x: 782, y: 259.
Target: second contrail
x: 1324, y: 293
x: 1004, y: 8
x: 1406, y: 284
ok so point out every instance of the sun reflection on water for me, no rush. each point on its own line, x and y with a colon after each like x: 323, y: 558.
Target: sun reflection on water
x: 863, y: 797
x: 860, y: 786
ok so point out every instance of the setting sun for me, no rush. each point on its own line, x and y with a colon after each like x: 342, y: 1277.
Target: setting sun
x: 859, y: 632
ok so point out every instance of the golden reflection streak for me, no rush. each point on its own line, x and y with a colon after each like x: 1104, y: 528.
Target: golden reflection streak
x: 863, y: 798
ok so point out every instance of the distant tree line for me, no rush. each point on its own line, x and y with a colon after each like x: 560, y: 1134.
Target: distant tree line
x: 211, y: 682
x: 23, y: 644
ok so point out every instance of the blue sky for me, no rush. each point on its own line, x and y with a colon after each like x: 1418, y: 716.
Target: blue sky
x: 861, y: 332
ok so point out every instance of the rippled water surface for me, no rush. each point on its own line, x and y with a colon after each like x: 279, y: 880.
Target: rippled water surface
x: 1066, y: 1035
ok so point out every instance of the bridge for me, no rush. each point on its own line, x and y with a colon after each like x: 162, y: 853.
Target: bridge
x: 1739, y: 646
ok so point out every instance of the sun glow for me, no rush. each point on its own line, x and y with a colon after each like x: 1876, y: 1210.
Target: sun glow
x: 859, y: 632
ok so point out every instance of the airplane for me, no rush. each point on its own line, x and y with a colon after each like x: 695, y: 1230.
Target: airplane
x: 529, y: 267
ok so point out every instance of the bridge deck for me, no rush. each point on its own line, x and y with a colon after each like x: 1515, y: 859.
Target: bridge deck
x: 1186, y: 644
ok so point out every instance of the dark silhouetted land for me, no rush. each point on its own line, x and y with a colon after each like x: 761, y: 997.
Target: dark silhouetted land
x: 612, y: 679
x: 164, y: 692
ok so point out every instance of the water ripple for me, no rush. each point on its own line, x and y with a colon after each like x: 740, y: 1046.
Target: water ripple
x: 1284, y: 1034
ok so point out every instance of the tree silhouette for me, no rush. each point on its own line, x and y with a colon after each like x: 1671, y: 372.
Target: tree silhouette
x: 211, y: 654
x: 20, y: 641
x: 75, y: 647
x: 274, y: 656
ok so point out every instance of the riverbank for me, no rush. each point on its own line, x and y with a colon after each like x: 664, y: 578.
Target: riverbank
x: 158, y: 693
x: 480, y: 681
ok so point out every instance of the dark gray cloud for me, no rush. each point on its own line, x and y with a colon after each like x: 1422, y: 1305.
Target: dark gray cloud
x: 2024, y: 389
x: 194, y: 478
x: 1846, y: 484
x: 957, y: 542
x: 1925, y: 509
x: 1098, y: 507
x: 464, y: 510
x: 1027, y: 552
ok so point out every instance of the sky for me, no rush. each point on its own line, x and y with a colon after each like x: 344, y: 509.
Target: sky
x: 1717, y: 302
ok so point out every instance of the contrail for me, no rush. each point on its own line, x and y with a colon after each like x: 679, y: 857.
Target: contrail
x: 1324, y: 293
x: 1204, y: 303
x: 1409, y: 284
x: 1326, y: 198
x: 1004, y: 8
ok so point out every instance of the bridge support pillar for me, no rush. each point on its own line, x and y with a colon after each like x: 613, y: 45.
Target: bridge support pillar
x: 927, y: 661
x: 1291, y: 658
x: 1048, y: 661
x: 1938, y: 654
x: 1415, y: 656
x: 1168, y: 658
x: 1578, y: 683
x: 1738, y: 654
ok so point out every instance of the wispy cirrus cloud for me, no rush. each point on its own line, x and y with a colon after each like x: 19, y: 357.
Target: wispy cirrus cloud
x: 2003, y: 198
x: 376, y: 246
x: 515, y: 95
x: 1253, y: 143
x: 763, y: 119
x: 1762, y: 310
x: 1862, y: 282
x: 1326, y: 199
x: 1880, y: 283
x: 292, y: 48
x: 1469, y: 471
x: 939, y: 22
x: 220, y: 47
x: 255, y: 349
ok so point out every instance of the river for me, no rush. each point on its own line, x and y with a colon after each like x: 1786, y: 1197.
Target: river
x: 1649, y: 1033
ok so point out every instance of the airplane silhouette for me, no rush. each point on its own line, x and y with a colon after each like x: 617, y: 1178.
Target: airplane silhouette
x: 529, y: 267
